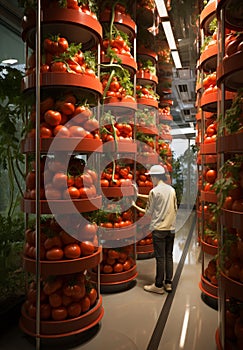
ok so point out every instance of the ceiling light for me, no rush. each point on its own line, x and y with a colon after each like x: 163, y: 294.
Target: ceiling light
x: 169, y: 35
x: 161, y: 8
x: 10, y: 61
x: 176, y: 59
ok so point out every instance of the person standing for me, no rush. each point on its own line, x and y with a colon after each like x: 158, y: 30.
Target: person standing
x: 162, y: 208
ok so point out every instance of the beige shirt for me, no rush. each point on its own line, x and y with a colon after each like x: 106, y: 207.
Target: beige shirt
x: 162, y: 206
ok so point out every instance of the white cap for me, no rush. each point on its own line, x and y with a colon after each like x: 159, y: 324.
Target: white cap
x: 156, y: 170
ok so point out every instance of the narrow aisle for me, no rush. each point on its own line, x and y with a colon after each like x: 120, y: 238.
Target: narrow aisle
x: 191, y: 324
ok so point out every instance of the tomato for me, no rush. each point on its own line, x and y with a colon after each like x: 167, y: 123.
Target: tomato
x: 54, y: 254
x: 107, y: 268
x: 75, y: 290
x: 52, y: 285
x: 66, y: 300
x: 52, y: 117
x: 77, y: 131
x: 30, y: 180
x: 45, y: 311
x: 82, y: 113
x: 62, y: 44
x: 72, y: 251
x: 71, y: 192
x: 47, y: 103
x: 211, y: 176
x: 87, y: 248
x: 73, y: 4
x: 55, y: 299
x: 66, y: 238
x: 59, y: 313
x: 127, y: 265
x: 118, y: 267
x: 51, y: 242
x: 45, y: 131
x: 74, y: 310
x: 238, y: 205
x: 58, y: 66
x: 65, y: 107
x: 91, y: 124
x: 85, y: 303
x: 87, y: 179
x: 51, y: 46
x: 32, y: 311
x: 61, y: 131
x: 59, y: 181
x: 52, y: 193
x: 92, y: 295
x: 93, y: 174
x: 113, y: 254
x: 104, y: 183
x: 114, y: 86
x: 90, y: 72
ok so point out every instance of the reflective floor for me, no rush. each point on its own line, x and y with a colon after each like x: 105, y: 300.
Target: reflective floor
x: 131, y: 316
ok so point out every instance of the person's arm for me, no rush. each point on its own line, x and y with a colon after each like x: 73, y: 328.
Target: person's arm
x: 137, y: 207
x: 145, y: 196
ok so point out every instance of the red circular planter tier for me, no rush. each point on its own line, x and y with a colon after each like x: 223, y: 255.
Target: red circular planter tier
x: 143, y: 51
x: 232, y: 287
x: 63, y: 267
x: 208, y: 288
x: 151, y: 158
x: 148, y: 130
x: 119, y: 233
x: 122, y: 146
x: 126, y: 61
x: 231, y: 71
x: 144, y: 249
x: 232, y: 219
x: 77, y: 24
x: 208, y: 58
x: 118, y: 278
x: 148, y: 102
x: 63, y: 144
x: 233, y: 17
x: 62, y: 206
x: 145, y: 16
x: 118, y: 191
x: 122, y: 21
x: 209, y: 101
x: 146, y: 78
x: 53, y: 79
x: 209, y: 248
x: 207, y: 15
x: 208, y: 148
x: 66, y: 328
x: 230, y: 143
x: 209, y: 196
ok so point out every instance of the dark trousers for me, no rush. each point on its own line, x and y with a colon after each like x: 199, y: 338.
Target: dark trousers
x: 163, y: 242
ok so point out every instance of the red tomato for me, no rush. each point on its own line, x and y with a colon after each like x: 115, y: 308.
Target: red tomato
x: 59, y: 181
x: 58, y: 66
x: 52, y: 117
x: 45, y: 131
x: 77, y: 131
x: 211, y: 176
x: 30, y: 180
x: 52, y: 285
x: 54, y: 254
x: 54, y: 241
x: 55, y: 299
x: 107, y: 268
x: 52, y: 193
x: 72, y: 251
x: 59, y: 313
x: 61, y: 131
x: 91, y: 124
x: 74, y: 310
x: 62, y: 45
x: 87, y: 179
x: 127, y: 265
x: 71, y: 192
x: 87, y: 248
x: 85, y: 303
x: 66, y: 238
x: 118, y: 267
x: 45, y: 311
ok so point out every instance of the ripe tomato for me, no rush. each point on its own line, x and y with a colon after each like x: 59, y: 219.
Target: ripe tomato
x: 91, y: 124
x: 211, y: 176
x: 74, y: 290
x: 51, y: 46
x: 61, y: 131
x: 71, y: 192
x: 52, y: 285
x: 66, y: 238
x: 73, y: 4
x: 107, y: 268
x: 118, y: 267
x: 74, y: 310
x: 59, y: 180
x: 87, y: 179
x: 54, y: 254
x: 30, y: 180
x: 45, y: 311
x: 82, y: 114
x: 59, y: 313
x: 52, y: 117
x: 58, y: 66
x: 72, y: 251
x: 52, y: 193
x: 113, y: 254
x: 77, y: 131
x: 47, y: 103
x: 85, y: 303
x: 92, y: 295
x: 127, y: 265
x: 55, y: 299
x: 54, y: 241
x: 87, y: 248
x: 62, y: 45
x: 66, y: 108
x: 45, y: 130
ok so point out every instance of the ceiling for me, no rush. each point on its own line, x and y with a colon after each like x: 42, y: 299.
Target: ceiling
x: 183, y: 15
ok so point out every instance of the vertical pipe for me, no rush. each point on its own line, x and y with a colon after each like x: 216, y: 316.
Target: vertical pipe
x: 37, y: 160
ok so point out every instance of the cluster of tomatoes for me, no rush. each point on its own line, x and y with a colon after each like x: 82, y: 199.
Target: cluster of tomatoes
x: 65, y: 118
x: 233, y: 264
x: 62, y: 297
x: 210, y: 176
x: 116, y: 260
x: 57, y: 244
x: 121, y: 176
x: 118, y: 220
x: 118, y: 45
x: 146, y: 118
x: 210, y: 132
x: 147, y: 144
x: 119, y: 131
x: 142, y: 179
x: 211, y: 272
x: 146, y: 92
x: 233, y: 43
x: 146, y: 240
x: 116, y: 91
x: 164, y: 113
x: 60, y: 183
